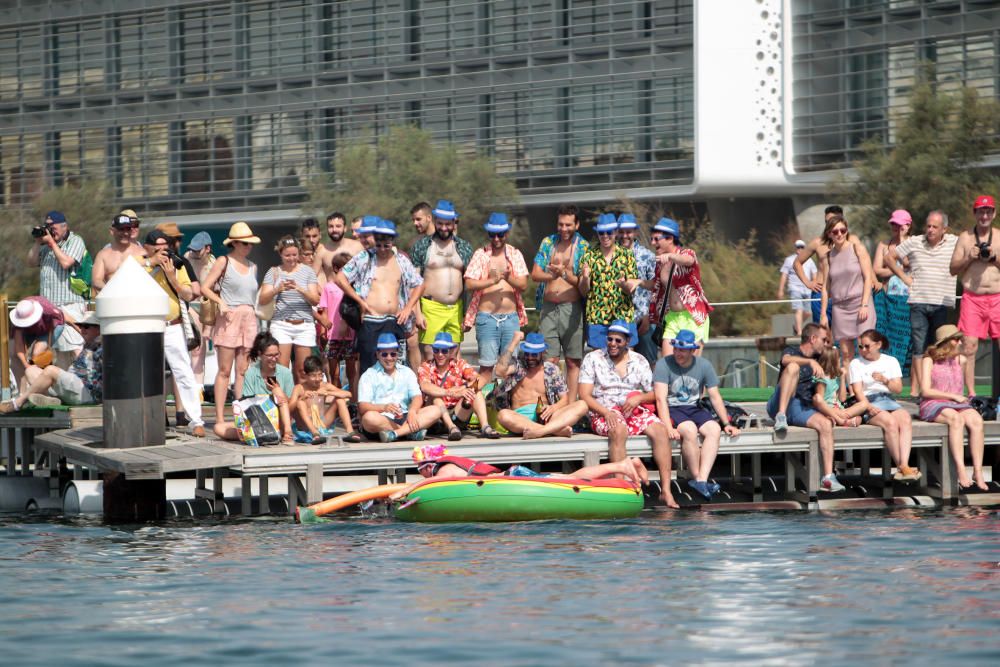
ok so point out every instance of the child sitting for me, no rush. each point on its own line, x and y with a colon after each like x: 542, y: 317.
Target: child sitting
x: 311, y: 406
x: 831, y: 392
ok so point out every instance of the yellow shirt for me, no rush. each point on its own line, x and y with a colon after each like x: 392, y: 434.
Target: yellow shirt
x: 174, y: 310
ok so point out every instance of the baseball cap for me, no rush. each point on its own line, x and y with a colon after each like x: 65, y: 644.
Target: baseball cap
x: 155, y: 235
x: 56, y: 217
x: 984, y: 201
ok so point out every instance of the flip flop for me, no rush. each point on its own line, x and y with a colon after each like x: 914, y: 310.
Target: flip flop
x: 353, y: 436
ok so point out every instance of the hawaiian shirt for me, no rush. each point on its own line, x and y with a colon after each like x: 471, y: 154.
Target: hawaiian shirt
x: 645, y: 262
x: 610, y: 389
x: 555, y: 385
x: 418, y: 253
x: 88, y: 367
x: 53, y: 278
x: 478, y: 269
x: 686, y: 281
x: 544, y: 256
x: 360, y: 272
x: 606, y: 302
x: 458, y: 374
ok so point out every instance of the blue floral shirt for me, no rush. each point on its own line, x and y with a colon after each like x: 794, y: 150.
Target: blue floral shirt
x: 645, y: 262
x: 555, y: 385
x: 544, y: 256
x: 360, y: 272
x: 87, y: 367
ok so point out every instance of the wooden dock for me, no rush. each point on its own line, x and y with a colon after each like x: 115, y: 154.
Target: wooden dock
x: 75, y: 438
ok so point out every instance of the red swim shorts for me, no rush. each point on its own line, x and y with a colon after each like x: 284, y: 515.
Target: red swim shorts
x: 979, y: 315
x: 637, y: 422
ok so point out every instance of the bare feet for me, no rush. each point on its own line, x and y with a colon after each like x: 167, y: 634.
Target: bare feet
x: 668, y: 498
x: 964, y: 481
x: 565, y: 432
x: 641, y: 469
x: 981, y: 482
x: 529, y: 433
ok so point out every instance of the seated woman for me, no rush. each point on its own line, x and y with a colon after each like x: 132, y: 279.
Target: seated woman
x: 875, y: 377
x: 265, y: 377
x: 314, y: 412
x: 942, y: 374
x: 434, y: 461
x: 37, y: 324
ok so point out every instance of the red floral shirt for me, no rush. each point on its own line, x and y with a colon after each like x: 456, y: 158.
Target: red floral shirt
x: 458, y: 373
x: 686, y: 282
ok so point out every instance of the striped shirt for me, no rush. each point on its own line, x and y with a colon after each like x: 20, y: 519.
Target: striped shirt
x: 53, y: 281
x: 933, y: 283
x: 290, y: 304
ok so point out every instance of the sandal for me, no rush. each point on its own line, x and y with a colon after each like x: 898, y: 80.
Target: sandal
x: 490, y: 432
x: 353, y: 436
x: 454, y: 435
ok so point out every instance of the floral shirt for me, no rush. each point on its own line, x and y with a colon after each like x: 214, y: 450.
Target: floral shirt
x: 360, y: 272
x: 610, y: 389
x: 606, y: 301
x: 555, y: 385
x: 686, y: 281
x: 479, y: 267
x: 458, y: 374
x: 87, y: 366
x: 544, y: 256
x: 645, y: 262
x: 418, y: 253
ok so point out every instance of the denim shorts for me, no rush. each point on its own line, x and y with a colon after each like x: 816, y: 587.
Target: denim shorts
x: 884, y: 401
x: 494, y: 332
x: 597, y: 335
x: 798, y: 412
x: 925, y: 318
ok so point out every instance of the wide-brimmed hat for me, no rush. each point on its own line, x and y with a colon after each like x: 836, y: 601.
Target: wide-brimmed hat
x: 606, y: 222
x: 26, y: 313
x: 445, y: 210
x: 171, y: 230
x: 387, y: 341
x: 443, y: 341
x: 945, y: 333
x: 900, y: 217
x: 627, y: 221
x: 240, y: 231
x: 685, y: 340
x: 497, y: 224
x: 89, y: 319
x: 533, y: 343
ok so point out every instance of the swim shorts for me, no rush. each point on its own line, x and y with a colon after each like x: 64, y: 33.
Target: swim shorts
x: 979, y: 315
x: 675, y: 320
x: 637, y: 422
x: 441, y: 317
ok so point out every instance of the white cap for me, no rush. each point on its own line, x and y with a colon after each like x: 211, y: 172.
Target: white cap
x: 799, y: 243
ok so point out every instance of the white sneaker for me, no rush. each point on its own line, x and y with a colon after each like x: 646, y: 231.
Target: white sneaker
x: 43, y: 400
x: 831, y: 484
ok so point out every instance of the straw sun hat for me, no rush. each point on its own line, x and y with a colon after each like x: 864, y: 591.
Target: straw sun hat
x: 241, y: 231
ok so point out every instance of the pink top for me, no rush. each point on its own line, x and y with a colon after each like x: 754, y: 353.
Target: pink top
x: 947, y: 376
x: 330, y: 300
x: 846, y: 280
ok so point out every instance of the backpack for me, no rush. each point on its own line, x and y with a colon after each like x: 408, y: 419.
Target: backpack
x: 985, y: 406
x: 80, y: 276
x: 737, y: 415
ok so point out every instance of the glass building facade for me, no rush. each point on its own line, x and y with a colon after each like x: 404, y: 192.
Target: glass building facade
x: 234, y: 105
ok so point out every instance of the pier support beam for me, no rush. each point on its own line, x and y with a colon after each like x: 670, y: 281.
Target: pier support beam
x: 129, y: 501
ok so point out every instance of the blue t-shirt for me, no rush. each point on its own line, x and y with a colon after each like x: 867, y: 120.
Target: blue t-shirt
x: 376, y: 386
x: 684, y: 385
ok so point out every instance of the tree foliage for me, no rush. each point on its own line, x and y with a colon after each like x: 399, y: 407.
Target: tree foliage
x: 88, y: 206
x: 406, y: 166
x: 935, y: 161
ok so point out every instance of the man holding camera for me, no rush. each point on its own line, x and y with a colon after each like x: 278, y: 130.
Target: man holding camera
x: 975, y: 263
x: 177, y: 285
x: 57, y: 252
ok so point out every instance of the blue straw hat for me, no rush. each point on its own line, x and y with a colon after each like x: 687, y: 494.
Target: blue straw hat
x: 627, y: 221
x: 606, y: 222
x: 497, y: 224
x: 368, y: 224
x: 533, y: 343
x: 620, y: 326
x: 384, y: 227
x: 443, y: 341
x: 387, y: 341
x: 685, y: 340
x: 668, y: 226
x: 445, y: 210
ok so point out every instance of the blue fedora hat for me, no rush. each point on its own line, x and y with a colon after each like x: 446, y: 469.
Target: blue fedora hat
x: 368, y: 224
x: 443, y: 341
x: 627, y: 221
x: 445, y: 210
x: 620, y: 326
x: 387, y: 341
x: 497, y: 224
x: 685, y: 340
x: 533, y: 343
x: 668, y: 226
x: 384, y: 227
x: 606, y: 222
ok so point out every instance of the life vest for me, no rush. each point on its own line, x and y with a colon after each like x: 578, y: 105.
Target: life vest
x: 474, y: 468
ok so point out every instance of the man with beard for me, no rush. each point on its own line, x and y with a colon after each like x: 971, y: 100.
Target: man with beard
x: 387, y: 288
x: 645, y: 264
x: 677, y: 291
x: 557, y: 272
x: 336, y: 226
x: 445, y: 381
x: 976, y: 264
x: 608, y: 278
x: 442, y: 259
x: 531, y: 394
x: 617, y: 385
x: 497, y: 275
x: 124, y: 232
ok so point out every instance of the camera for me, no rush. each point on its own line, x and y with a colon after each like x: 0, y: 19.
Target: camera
x: 39, y: 231
x: 176, y: 259
x: 984, y: 250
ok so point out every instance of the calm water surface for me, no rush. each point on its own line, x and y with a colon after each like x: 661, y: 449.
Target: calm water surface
x: 899, y: 587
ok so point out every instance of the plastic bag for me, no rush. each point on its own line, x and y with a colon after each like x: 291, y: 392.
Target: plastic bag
x: 257, y: 421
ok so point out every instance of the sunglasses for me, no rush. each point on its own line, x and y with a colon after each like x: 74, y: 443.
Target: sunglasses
x: 241, y: 243
x: 866, y: 346
x: 838, y: 231
x: 497, y: 235
x: 615, y: 340
x: 606, y: 233
x: 437, y: 351
x: 388, y: 355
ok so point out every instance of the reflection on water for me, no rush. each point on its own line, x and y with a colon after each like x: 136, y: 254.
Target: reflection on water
x: 908, y: 586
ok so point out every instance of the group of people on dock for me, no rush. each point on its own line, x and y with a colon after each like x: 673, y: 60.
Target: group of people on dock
x: 627, y: 323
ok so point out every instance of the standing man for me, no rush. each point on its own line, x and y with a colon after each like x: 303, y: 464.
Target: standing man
x: 678, y: 382
x: 679, y: 291
x: 310, y: 232
x: 496, y: 276
x: 336, y: 227
x: 177, y: 286
x: 442, y: 259
x: 422, y: 217
x: 645, y: 262
x: 531, y: 395
x: 123, y: 233
x: 387, y: 288
x: 617, y: 385
x: 176, y: 237
x: 58, y: 252
x: 608, y: 278
x: 558, y: 299
x: 931, y: 283
x: 794, y: 399
x: 798, y: 292
x: 975, y: 263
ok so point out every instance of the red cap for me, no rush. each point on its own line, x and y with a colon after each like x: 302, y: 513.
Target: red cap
x: 985, y: 201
